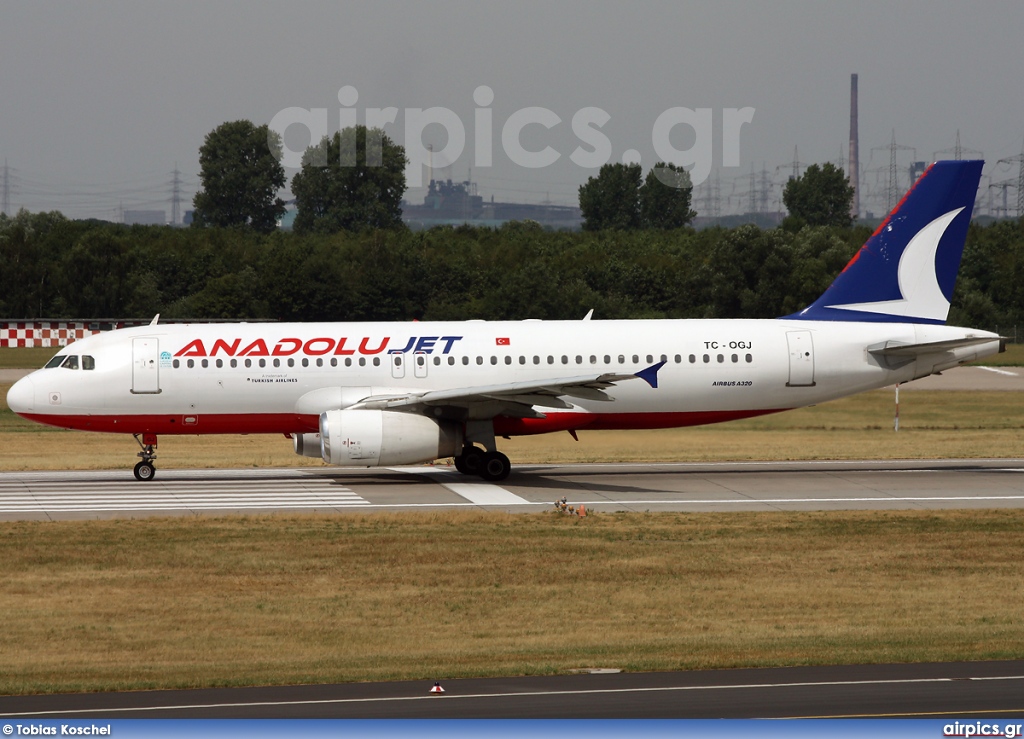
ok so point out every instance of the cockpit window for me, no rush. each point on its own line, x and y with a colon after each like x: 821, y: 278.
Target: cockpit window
x: 88, y: 363
x: 56, y: 361
x: 71, y: 362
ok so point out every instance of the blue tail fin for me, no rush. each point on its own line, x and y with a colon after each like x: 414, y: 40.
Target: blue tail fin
x: 907, y: 270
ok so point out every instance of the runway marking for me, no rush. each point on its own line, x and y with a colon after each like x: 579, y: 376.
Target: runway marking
x: 449, y: 696
x: 37, y: 494
x: 999, y: 371
x: 478, y: 493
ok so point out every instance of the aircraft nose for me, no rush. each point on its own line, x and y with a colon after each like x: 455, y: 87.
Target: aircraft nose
x: 21, y: 396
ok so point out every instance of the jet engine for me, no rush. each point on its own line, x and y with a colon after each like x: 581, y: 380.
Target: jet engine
x: 307, y: 445
x: 369, y: 438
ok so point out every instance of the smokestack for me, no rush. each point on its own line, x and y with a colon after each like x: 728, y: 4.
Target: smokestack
x: 854, y: 153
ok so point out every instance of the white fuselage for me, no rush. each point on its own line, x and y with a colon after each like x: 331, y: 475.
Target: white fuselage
x: 265, y: 378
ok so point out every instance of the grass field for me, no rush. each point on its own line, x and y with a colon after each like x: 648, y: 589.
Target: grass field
x: 189, y: 602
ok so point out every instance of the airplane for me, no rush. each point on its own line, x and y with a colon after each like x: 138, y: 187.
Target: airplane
x: 390, y: 394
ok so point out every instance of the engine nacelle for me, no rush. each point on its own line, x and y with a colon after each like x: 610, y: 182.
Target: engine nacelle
x: 307, y: 445
x: 368, y: 438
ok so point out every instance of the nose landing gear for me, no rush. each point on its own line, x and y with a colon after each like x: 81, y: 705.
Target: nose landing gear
x: 145, y: 470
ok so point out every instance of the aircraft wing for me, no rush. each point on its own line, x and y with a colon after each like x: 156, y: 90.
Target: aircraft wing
x: 512, y: 399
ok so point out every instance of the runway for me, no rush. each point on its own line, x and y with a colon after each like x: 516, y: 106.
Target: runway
x: 756, y: 486
x: 968, y: 689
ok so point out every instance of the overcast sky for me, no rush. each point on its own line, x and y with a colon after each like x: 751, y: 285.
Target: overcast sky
x: 101, y: 100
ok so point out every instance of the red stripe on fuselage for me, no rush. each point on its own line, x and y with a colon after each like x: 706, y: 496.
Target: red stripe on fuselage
x: 286, y: 423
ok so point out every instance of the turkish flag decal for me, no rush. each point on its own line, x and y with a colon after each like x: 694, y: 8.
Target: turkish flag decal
x: 503, y: 342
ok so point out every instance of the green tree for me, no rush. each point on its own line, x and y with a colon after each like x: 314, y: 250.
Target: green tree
x: 352, y: 181
x: 665, y: 198
x: 241, y: 173
x: 611, y: 200
x: 820, y: 197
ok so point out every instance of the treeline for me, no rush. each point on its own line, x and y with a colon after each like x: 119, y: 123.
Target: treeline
x: 54, y: 267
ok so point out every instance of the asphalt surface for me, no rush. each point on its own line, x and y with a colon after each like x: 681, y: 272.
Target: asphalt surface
x: 981, y: 689
x: 730, y: 486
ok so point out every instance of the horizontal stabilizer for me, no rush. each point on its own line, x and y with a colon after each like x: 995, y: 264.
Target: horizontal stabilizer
x: 895, y: 349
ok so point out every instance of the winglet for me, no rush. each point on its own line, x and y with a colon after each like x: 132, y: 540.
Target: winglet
x: 650, y: 375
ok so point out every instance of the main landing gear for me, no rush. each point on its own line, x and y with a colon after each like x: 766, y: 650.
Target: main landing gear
x: 145, y: 470
x: 492, y: 466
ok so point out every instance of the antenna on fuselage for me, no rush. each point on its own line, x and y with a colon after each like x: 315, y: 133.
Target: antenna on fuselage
x: 589, y: 315
x: 155, y: 319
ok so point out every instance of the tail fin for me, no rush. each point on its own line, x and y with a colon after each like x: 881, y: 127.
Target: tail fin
x: 907, y: 270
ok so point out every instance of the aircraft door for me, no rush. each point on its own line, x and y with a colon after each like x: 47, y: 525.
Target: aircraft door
x: 420, y: 364
x: 398, y: 366
x: 801, y: 359
x: 145, y: 366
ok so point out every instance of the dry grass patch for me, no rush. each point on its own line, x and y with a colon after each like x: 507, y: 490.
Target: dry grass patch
x: 195, y: 602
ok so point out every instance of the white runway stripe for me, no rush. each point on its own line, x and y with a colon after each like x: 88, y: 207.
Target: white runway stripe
x: 187, y: 491
x: 478, y: 493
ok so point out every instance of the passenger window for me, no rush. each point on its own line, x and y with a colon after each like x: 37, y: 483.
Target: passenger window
x: 465, y: 360
x: 437, y: 361
x: 398, y: 361
x: 551, y: 360
x: 622, y: 359
x: 176, y: 363
x: 277, y: 362
x: 376, y: 361
x: 494, y: 359
x: 735, y: 358
x: 191, y: 363
x: 565, y: 359
x: 234, y: 363
x: 248, y: 363
x: 220, y: 363
x: 206, y: 363
x: 636, y: 359
x: 88, y: 363
x: 693, y: 358
x: 420, y: 361
x: 263, y: 363
x: 721, y: 358
x: 451, y: 361
x: 593, y: 359
x: 607, y: 359
x: 522, y: 359
x: 706, y: 359
x: 319, y: 361
x: 579, y: 359
x: 536, y: 359
x: 479, y: 360
x: 749, y: 359
x: 71, y: 362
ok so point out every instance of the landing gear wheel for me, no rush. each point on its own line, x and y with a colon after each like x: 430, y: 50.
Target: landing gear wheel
x: 495, y: 467
x: 144, y: 471
x: 470, y: 462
